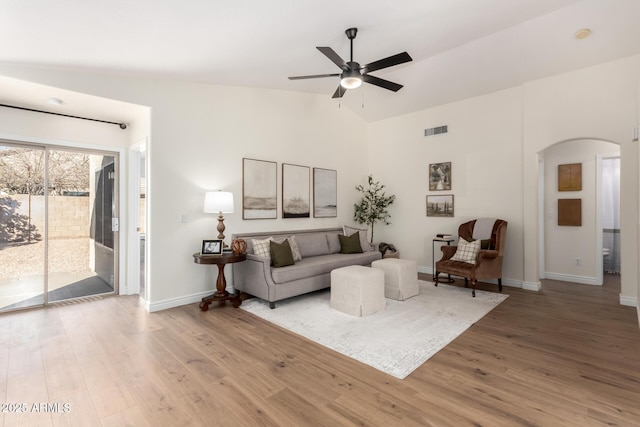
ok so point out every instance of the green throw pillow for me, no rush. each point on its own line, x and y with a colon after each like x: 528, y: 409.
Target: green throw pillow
x: 485, y: 244
x: 350, y: 244
x: 281, y: 254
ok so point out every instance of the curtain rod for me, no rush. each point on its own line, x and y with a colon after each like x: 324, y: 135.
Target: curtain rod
x: 122, y: 125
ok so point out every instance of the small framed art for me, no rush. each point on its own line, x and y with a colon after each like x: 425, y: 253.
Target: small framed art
x: 441, y: 206
x: 212, y: 247
x: 440, y: 176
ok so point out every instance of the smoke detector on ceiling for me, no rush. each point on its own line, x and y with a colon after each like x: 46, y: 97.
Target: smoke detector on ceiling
x: 54, y: 101
x: 582, y: 33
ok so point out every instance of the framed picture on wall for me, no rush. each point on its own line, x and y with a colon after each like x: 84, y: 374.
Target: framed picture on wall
x: 440, y: 206
x: 325, y: 193
x: 296, y: 199
x: 259, y: 189
x: 440, y: 176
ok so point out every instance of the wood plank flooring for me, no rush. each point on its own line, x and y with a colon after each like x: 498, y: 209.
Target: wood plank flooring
x: 566, y: 356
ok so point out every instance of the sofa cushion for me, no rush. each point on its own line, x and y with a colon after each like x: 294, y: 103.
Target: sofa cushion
x: 364, y: 239
x: 313, y: 244
x: 334, y: 242
x: 318, y: 265
x: 350, y: 244
x: 261, y: 247
x: 467, y: 251
x: 295, y: 250
x: 281, y: 255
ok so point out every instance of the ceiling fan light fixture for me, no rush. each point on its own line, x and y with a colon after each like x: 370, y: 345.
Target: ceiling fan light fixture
x: 350, y: 79
x: 351, y: 82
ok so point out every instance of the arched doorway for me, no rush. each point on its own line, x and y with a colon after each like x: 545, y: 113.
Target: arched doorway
x: 572, y: 250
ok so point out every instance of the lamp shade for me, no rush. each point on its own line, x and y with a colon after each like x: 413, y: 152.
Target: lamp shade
x: 218, y: 201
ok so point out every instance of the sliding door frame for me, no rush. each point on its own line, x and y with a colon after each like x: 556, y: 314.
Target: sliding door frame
x: 120, y: 191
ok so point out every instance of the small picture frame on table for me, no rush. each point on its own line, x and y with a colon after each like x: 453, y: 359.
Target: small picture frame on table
x: 212, y: 247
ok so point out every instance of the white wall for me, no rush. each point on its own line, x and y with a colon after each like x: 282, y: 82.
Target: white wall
x: 600, y: 103
x: 563, y: 244
x: 62, y: 129
x: 483, y: 144
x: 637, y: 260
x: 198, y: 141
x: 199, y: 134
x: 493, y: 144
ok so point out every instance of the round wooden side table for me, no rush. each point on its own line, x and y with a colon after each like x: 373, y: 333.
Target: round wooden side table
x: 221, y: 295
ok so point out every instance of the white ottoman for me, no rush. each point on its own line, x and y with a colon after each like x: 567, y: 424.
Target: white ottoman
x: 400, y: 277
x: 357, y: 290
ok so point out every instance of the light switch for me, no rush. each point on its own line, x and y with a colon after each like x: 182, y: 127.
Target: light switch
x: 183, y: 217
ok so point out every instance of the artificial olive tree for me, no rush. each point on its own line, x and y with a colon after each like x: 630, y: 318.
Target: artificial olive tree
x: 373, y: 206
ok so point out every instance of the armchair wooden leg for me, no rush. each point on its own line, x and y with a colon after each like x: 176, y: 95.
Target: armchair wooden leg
x: 500, y: 285
x: 473, y: 287
x: 466, y: 282
x: 435, y: 278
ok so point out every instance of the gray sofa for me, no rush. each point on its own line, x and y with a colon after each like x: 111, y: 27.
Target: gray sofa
x: 320, y: 250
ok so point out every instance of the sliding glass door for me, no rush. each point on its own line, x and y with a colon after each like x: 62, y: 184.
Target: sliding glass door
x: 66, y: 199
x: 22, y: 226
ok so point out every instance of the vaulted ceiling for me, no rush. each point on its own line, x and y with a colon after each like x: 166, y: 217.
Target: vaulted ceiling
x: 460, y: 48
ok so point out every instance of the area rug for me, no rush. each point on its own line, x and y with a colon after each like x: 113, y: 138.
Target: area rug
x: 396, y: 340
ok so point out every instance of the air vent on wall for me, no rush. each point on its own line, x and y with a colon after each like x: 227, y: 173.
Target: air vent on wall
x: 436, y: 130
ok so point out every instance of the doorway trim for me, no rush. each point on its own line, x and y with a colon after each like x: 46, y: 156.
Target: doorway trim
x: 599, y: 207
x: 133, y: 270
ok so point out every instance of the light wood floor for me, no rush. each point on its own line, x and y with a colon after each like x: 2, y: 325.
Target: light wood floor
x: 566, y: 356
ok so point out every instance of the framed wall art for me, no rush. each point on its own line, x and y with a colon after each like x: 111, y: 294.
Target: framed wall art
x: 570, y: 212
x: 259, y: 189
x: 296, y: 200
x: 325, y: 193
x: 440, y: 176
x: 570, y: 177
x: 440, y: 206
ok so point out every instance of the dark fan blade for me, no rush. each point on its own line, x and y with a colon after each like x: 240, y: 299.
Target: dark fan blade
x: 400, y: 58
x: 317, y: 76
x: 381, y: 82
x: 334, y: 57
x: 339, y: 92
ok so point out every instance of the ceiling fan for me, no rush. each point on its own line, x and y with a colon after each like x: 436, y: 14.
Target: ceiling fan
x: 353, y: 74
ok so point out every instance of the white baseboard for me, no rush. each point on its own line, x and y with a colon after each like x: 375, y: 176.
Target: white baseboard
x: 572, y: 278
x: 532, y: 286
x: 506, y: 282
x: 425, y: 270
x: 628, y: 301
x: 176, y: 302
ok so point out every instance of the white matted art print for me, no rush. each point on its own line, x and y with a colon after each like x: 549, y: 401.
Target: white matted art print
x: 296, y: 200
x: 259, y: 189
x: 325, y: 193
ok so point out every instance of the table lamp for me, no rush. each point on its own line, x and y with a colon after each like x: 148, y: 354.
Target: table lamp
x: 219, y: 202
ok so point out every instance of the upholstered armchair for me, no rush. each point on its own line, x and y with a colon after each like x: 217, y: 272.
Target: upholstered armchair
x: 478, y: 255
